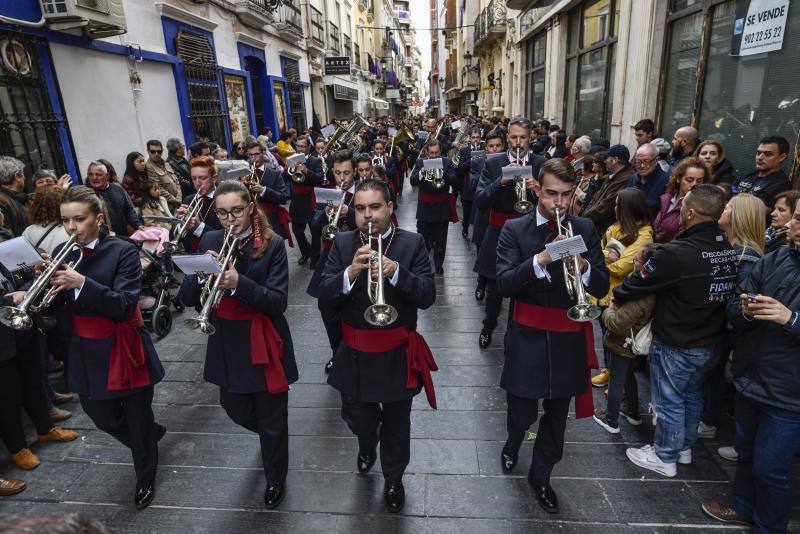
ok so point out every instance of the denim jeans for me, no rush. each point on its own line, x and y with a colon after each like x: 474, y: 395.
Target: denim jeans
x: 676, y: 375
x: 766, y: 440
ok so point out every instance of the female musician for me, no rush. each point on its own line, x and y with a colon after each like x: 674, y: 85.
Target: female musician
x: 112, y: 363
x: 250, y: 355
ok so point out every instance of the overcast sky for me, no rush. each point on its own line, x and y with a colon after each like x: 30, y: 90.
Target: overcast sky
x: 420, y: 18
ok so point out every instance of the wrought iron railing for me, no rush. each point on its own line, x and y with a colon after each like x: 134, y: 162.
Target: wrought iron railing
x: 289, y: 14
x: 491, y: 20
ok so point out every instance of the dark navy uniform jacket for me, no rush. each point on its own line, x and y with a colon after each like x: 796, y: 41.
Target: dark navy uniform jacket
x: 263, y: 285
x: 492, y: 196
x: 434, y: 211
x: 300, y: 207
x: 320, y: 220
x: 113, y: 281
x: 207, y: 215
x: 376, y: 377
x: 541, y: 364
x: 274, y: 193
x: 480, y: 216
x: 462, y: 172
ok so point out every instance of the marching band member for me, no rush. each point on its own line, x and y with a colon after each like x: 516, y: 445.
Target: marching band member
x: 250, y: 355
x: 303, y: 203
x: 344, y: 173
x: 464, y: 169
x: 389, y: 163
x: 112, y: 363
x: 204, y: 176
x: 327, y: 182
x: 547, y: 355
x: 498, y: 195
x: 436, y: 205
x: 379, y: 369
x: 271, y: 190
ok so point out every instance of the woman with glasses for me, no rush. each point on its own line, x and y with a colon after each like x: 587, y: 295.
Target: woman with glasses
x: 250, y: 355
x: 688, y: 173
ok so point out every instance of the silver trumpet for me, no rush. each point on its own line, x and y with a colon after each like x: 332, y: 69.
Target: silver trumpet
x: 582, y: 311
x: 18, y: 317
x: 330, y: 230
x: 377, y: 160
x: 522, y: 205
x: 435, y: 177
x: 212, y: 294
x: 174, y: 244
x: 379, y: 313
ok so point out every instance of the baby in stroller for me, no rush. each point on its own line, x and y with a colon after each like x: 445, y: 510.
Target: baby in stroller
x: 157, y: 278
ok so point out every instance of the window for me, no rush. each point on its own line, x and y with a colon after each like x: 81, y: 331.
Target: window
x: 334, y: 37
x: 347, y: 48
x: 317, y: 29
x: 535, y: 56
x: 203, y: 86
x: 29, y: 128
x: 681, y: 62
x: 356, y: 55
x: 297, y: 101
x: 591, y: 41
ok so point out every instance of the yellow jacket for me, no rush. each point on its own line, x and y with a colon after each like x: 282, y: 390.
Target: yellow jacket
x: 284, y: 150
x: 622, y: 267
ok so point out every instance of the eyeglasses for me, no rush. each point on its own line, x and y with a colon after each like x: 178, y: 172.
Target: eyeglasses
x: 236, y: 212
x: 253, y: 154
x: 95, y: 174
x: 156, y: 151
x: 644, y: 162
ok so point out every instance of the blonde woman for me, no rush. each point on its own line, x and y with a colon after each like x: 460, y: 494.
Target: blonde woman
x: 744, y: 225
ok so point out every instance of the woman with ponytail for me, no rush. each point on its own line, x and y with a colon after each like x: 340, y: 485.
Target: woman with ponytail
x: 250, y: 355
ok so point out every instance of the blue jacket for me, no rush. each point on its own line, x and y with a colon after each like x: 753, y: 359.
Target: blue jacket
x: 653, y: 188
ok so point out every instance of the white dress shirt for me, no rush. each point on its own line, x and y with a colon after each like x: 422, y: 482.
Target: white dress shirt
x: 92, y: 246
x: 541, y: 270
x: 347, y: 286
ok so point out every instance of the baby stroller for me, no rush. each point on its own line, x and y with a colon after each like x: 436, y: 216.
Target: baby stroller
x: 158, y: 275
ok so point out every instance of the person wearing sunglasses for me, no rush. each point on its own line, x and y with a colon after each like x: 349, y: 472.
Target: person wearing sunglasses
x: 161, y: 172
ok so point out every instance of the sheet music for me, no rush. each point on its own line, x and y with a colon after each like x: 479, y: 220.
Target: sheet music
x: 325, y: 195
x: 432, y: 164
x: 328, y: 131
x: 517, y: 174
x: 196, y: 263
x: 18, y: 253
x: 566, y: 247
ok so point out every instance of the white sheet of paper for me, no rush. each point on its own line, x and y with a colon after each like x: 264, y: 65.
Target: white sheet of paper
x: 423, y: 134
x: 477, y: 154
x: 495, y: 155
x: 328, y: 131
x: 431, y: 164
x: 18, y: 253
x: 517, y: 174
x: 392, y: 132
x: 232, y: 170
x: 325, y: 195
x: 196, y: 264
x: 295, y: 159
x: 455, y: 125
x: 566, y: 247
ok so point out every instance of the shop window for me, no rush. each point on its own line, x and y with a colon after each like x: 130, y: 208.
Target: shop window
x: 535, y: 57
x: 681, y: 61
x: 295, y: 90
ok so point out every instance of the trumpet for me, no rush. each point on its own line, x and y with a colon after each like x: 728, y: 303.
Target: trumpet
x: 377, y: 160
x: 466, y: 126
x: 325, y: 180
x: 379, y: 313
x: 18, y: 317
x: 522, y: 205
x: 330, y: 230
x: 435, y: 177
x: 211, y: 294
x: 173, y: 245
x: 582, y: 311
x: 296, y: 176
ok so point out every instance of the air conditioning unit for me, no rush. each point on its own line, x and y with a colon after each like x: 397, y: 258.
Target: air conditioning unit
x: 96, y: 18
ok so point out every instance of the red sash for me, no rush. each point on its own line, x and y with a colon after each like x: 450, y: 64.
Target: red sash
x: 127, y: 367
x: 266, y: 345
x: 438, y: 198
x: 556, y: 320
x: 419, y: 359
x: 283, y: 218
x: 498, y: 218
x: 303, y: 190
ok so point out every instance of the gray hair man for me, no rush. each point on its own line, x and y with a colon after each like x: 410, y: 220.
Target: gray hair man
x: 12, y: 194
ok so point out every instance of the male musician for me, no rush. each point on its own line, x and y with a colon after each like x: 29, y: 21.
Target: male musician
x: 436, y: 206
x: 270, y: 189
x: 546, y: 352
x: 204, y: 176
x: 303, y: 204
x: 498, y: 195
x: 495, y: 144
x: 387, y: 162
x: 464, y: 151
x: 379, y: 369
x: 431, y: 125
x: 344, y: 174
x: 326, y: 161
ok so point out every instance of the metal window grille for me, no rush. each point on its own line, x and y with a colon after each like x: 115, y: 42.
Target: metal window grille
x: 297, y: 101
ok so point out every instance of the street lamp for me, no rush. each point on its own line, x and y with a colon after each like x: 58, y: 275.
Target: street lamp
x: 468, y: 66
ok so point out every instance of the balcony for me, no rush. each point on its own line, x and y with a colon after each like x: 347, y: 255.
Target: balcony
x: 316, y: 26
x: 366, y: 5
x: 289, y: 19
x: 490, y: 25
x: 253, y: 13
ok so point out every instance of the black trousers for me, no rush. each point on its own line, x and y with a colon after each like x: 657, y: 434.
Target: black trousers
x: 482, y: 281
x: 435, y: 235
x: 622, y: 376
x: 130, y: 421
x: 299, y: 231
x: 549, y: 445
x: 466, y: 213
x: 22, y: 387
x: 387, y: 422
x: 493, y: 304
x: 266, y: 414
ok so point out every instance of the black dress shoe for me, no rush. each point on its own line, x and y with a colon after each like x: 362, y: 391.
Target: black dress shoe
x: 328, y: 367
x: 365, y: 461
x: 480, y: 292
x: 144, y: 496
x: 439, y: 270
x: 546, y: 497
x: 273, y: 496
x: 313, y: 264
x: 465, y: 232
x: 508, y: 459
x: 395, y: 497
x: 303, y: 259
x: 485, y: 339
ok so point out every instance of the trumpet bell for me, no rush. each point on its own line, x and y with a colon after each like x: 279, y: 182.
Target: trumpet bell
x: 380, y: 314
x: 298, y: 177
x: 523, y: 206
x: 204, y: 326
x: 15, y: 318
x: 582, y: 313
x: 329, y: 231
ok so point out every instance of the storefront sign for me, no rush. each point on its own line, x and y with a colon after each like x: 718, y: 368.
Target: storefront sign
x: 342, y: 92
x: 237, y: 107
x: 337, y: 65
x: 759, y: 26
